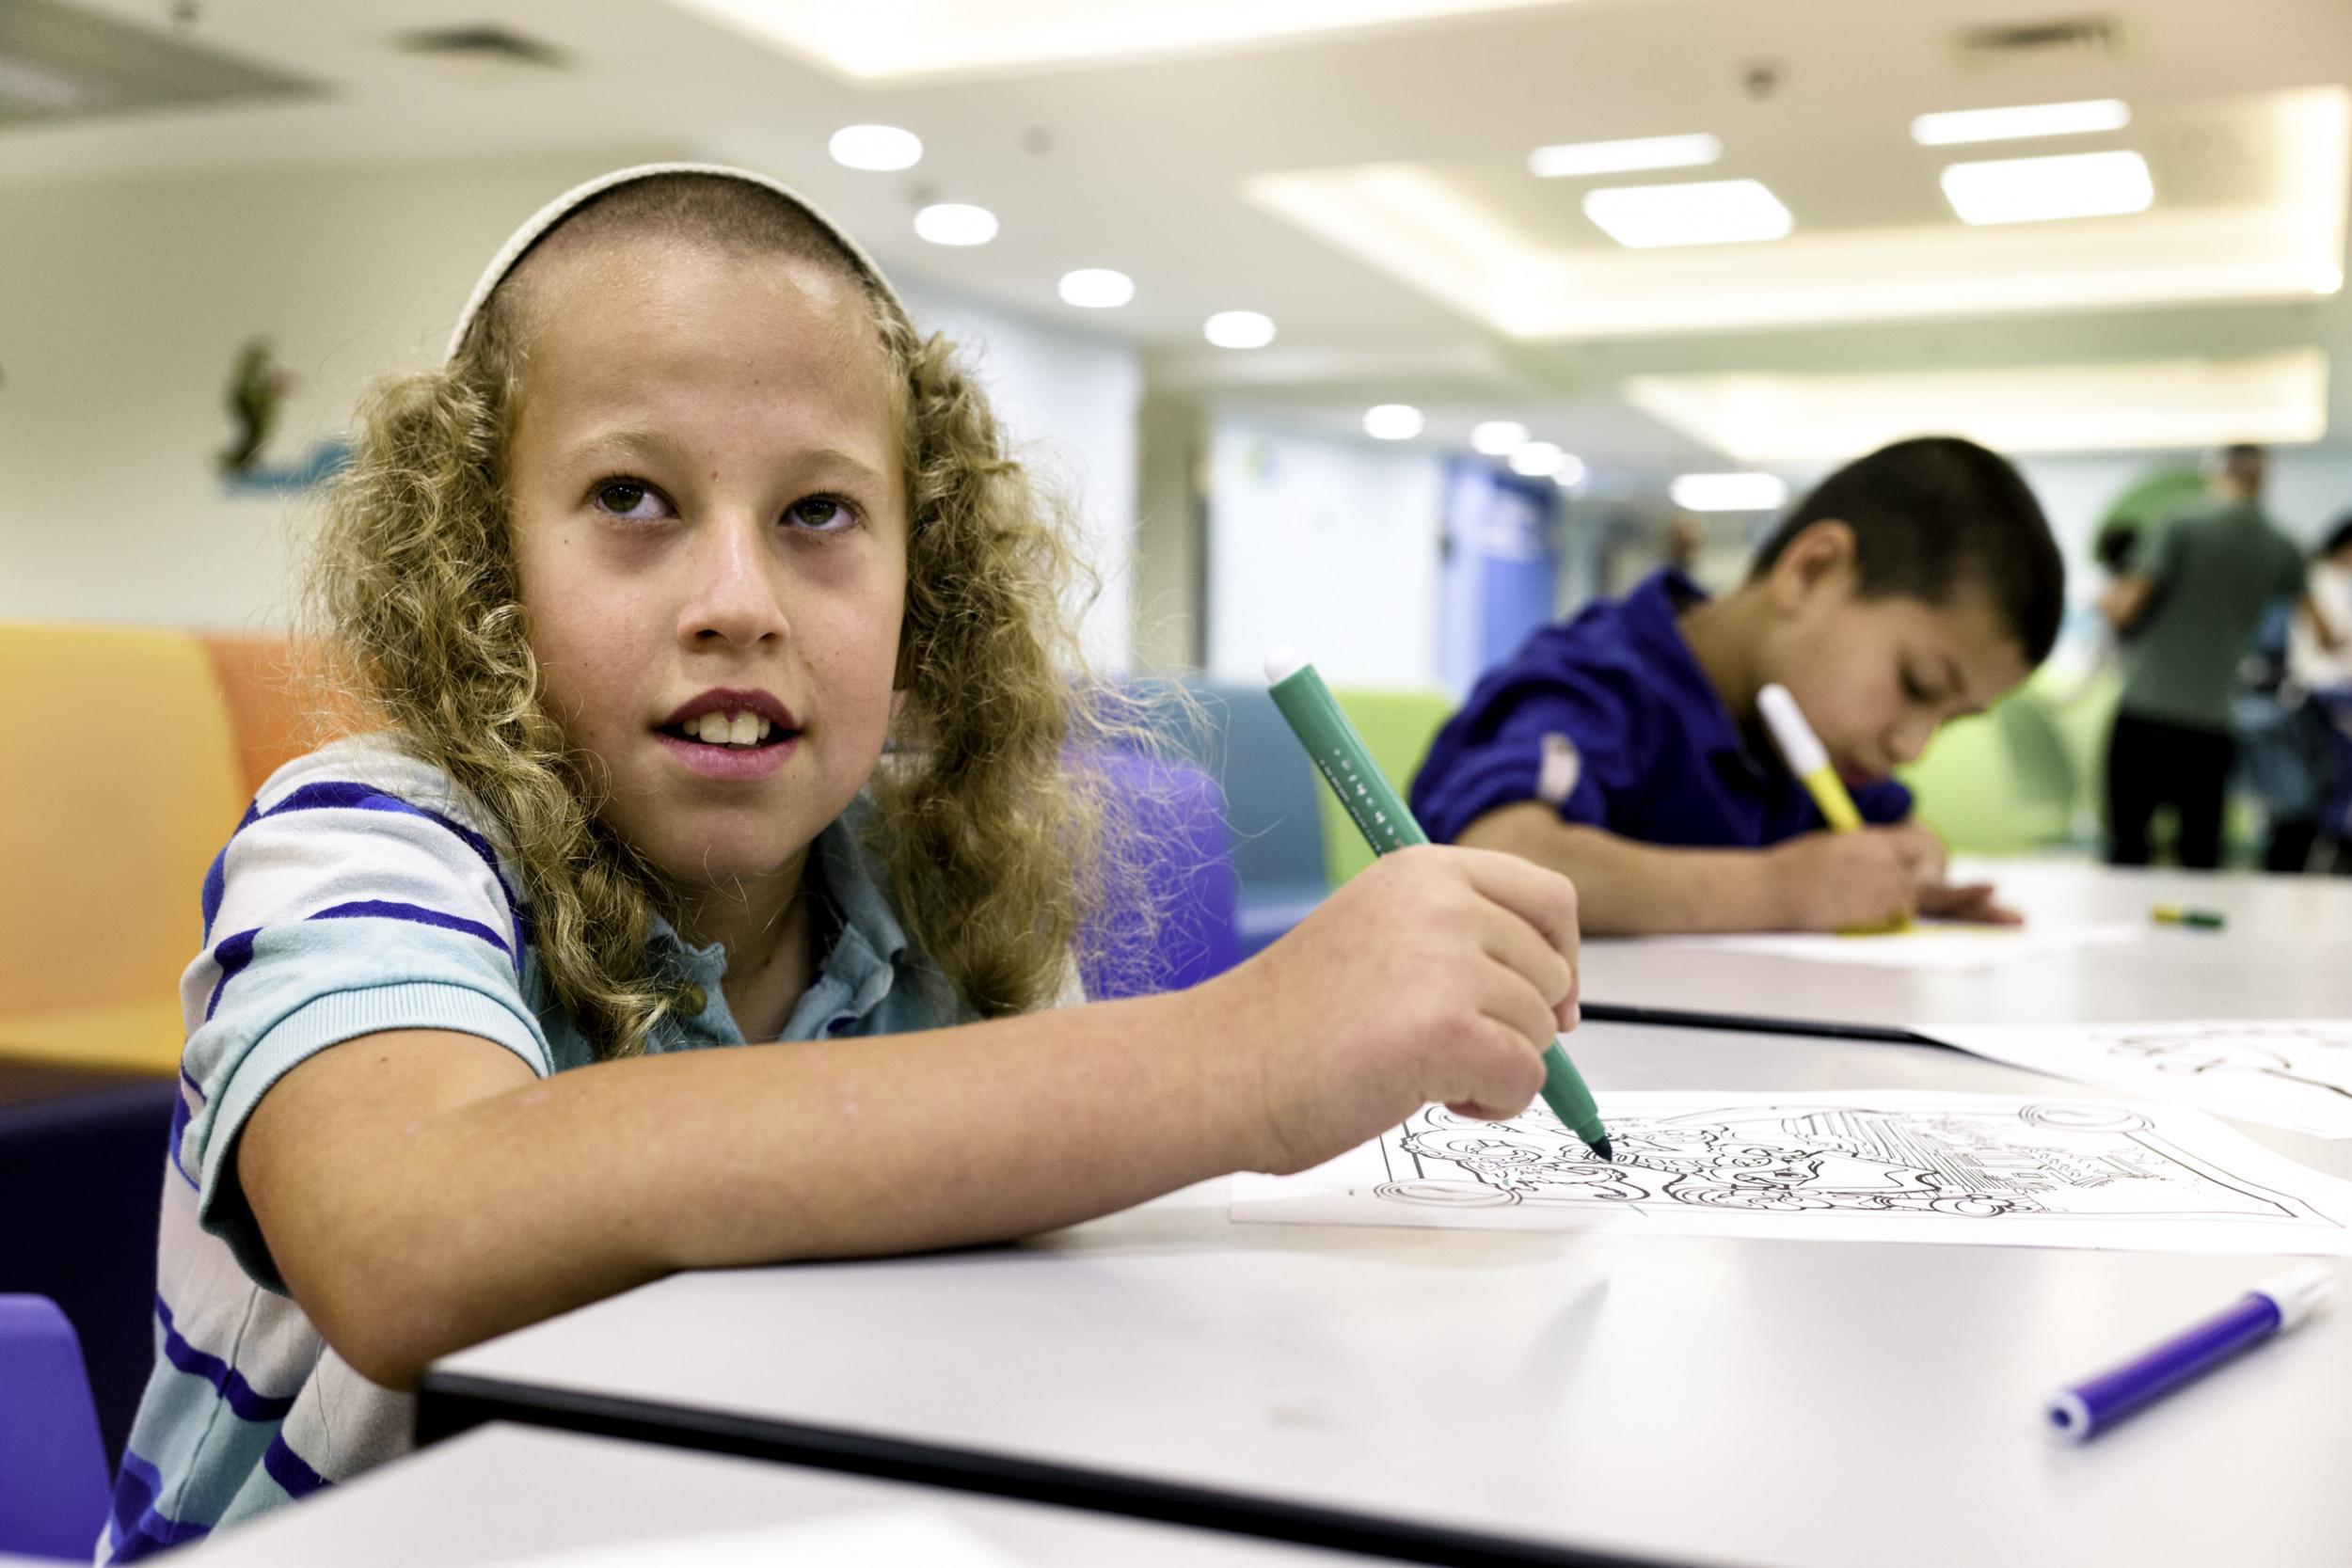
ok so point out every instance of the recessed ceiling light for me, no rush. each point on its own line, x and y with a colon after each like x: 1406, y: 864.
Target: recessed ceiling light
x: 1728, y: 492
x: 2036, y: 190
x: 1570, y: 474
x: 2027, y: 120
x: 956, y: 223
x: 1623, y: 157
x: 1537, y: 458
x: 1097, y: 288
x: 1711, y: 212
x: 1498, y: 437
x: 875, y: 147
x: 1392, y: 422
x: 1239, y: 329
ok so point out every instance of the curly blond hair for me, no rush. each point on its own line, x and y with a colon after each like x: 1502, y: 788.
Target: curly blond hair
x: 995, y: 833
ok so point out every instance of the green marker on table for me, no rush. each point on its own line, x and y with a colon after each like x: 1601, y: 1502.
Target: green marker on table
x: 1388, y: 824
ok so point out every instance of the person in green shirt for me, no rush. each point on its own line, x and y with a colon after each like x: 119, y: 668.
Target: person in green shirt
x: 2196, y: 586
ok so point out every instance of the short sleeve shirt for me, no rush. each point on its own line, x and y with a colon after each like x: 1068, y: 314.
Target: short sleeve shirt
x: 2211, y: 571
x: 1609, y: 719
x: 364, y: 892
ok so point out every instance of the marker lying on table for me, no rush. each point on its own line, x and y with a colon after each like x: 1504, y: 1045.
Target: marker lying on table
x: 2091, y: 1407
x: 1388, y: 824
x: 2172, y: 914
x: 1809, y: 759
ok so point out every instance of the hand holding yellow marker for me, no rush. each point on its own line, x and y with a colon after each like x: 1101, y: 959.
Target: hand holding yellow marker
x: 1809, y: 759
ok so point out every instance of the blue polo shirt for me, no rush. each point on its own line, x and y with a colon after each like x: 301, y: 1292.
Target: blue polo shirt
x: 1609, y: 718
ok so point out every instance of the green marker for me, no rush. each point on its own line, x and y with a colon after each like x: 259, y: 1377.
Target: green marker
x: 2172, y: 914
x: 1387, y: 824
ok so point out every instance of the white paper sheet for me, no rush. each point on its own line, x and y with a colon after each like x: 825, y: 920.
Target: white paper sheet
x: 1928, y: 944
x: 1859, y: 1166
x: 864, y: 1538
x: 2295, y: 1074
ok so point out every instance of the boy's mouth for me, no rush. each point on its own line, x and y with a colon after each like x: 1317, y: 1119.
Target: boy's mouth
x: 740, y: 729
x: 736, y: 718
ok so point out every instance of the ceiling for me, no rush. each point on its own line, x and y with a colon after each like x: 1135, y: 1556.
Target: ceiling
x: 1158, y: 158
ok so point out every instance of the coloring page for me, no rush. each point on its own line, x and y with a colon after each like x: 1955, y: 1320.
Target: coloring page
x: 2294, y: 1072
x: 1897, y: 1165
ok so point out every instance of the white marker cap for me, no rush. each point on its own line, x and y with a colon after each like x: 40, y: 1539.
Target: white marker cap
x: 1795, y: 737
x: 2298, y: 1294
x: 1282, y: 663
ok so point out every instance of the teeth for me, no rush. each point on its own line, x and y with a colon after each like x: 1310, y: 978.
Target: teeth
x: 729, y: 729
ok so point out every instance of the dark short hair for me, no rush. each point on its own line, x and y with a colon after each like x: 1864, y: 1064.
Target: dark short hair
x: 1932, y: 514
x: 2338, y: 536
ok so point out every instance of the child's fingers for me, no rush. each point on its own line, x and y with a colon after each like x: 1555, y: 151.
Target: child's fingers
x: 1545, y: 899
x: 1511, y: 1000
x: 1502, y: 1081
x: 1515, y: 945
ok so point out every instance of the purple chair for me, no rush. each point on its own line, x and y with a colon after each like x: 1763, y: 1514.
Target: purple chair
x: 1175, y: 815
x: 53, y: 1470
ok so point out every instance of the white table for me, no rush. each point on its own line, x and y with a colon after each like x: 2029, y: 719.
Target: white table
x: 501, y: 1493
x: 1471, y: 1397
x: 2286, y: 952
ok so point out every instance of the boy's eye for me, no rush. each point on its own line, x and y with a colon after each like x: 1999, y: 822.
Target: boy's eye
x: 628, y: 498
x: 1912, y: 690
x: 821, y: 513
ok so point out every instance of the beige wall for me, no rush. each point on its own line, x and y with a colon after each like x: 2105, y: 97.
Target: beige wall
x: 122, y: 305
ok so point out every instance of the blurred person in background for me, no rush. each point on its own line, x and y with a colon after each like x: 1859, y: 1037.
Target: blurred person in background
x: 2318, y: 659
x: 2319, y: 642
x: 2184, y: 609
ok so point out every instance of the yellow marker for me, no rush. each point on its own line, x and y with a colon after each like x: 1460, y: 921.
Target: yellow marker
x: 1809, y: 759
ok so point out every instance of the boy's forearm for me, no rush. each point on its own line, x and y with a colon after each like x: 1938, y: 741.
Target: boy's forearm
x: 1626, y: 888
x: 524, y: 1203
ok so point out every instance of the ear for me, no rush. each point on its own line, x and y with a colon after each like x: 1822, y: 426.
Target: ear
x: 1819, y: 561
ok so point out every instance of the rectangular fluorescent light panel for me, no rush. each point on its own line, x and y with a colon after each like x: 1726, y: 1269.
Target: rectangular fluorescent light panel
x: 1728, y: 492
x: 870, y: 41
x: 2036, y: 190
x: 2027, y: 120
x: 1623, y: 157
x: 1712, y: 211
x: 2124, y: 405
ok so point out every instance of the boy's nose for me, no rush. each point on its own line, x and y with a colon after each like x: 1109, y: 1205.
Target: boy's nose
x: 1910, y: 739
x: 733, y: 595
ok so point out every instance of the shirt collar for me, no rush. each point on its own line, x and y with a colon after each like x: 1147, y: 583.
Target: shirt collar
x: 859, y: 968
x: 1651, y: 611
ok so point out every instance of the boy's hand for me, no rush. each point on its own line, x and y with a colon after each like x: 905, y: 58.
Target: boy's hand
x: 1971, y: 901
x: 1437, y: 973
x: 1856, y: 882
x: 1944, y: 900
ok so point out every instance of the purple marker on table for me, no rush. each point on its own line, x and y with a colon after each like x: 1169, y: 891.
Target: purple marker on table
x: 2089, y: 1408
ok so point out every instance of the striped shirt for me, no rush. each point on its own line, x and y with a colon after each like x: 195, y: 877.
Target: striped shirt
x: 364, y: 892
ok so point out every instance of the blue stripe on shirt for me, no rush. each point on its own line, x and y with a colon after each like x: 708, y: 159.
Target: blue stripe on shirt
x: 286, y: 1467
x: 136, y: 1527
x: 217, y: 878
x: 178, y: 1129
x: 229, y: 1383
x: 233, y: 954
x: 359, y: 797
x: 385, y: 908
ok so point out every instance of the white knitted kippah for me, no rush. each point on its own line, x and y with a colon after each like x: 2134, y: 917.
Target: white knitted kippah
x: 571, y: 200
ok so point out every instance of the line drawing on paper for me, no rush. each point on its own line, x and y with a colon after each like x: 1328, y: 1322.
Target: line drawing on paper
x: 2316, y: 1053
x: 2015, y: 1163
